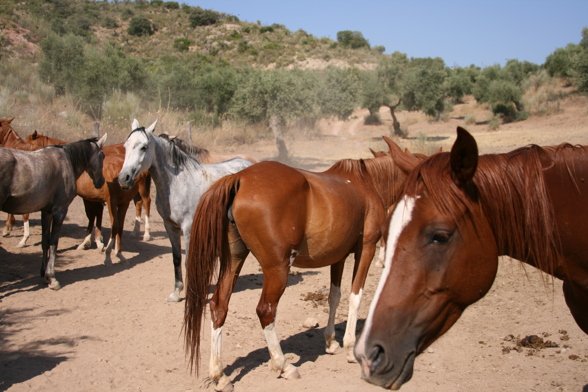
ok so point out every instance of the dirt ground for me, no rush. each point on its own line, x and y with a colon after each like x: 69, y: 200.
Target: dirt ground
x: 109, y: 327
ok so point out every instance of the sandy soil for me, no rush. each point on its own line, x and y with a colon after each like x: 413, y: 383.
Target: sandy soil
x: 109, y: 327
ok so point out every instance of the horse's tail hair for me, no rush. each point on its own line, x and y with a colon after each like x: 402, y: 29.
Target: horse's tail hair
x: 208, y: 242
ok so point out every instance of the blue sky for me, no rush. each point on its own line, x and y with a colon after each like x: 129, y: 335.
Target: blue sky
x: 461, y: 32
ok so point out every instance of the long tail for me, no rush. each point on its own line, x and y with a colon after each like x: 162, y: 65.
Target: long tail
x: 208, y: 241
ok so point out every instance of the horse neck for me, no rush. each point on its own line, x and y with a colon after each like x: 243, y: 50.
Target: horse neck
x: 514, y: 199
x: 78, y: 155
x: 12, y: 140
x: 163, y: 169
x: 386, y: 178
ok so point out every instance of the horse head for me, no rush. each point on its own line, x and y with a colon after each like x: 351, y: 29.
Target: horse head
x: 139, y: 154
x: 436, y: 230
x: 96, y: 162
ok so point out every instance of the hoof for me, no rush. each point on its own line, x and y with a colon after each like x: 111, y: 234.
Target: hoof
x: 5, y: 234
x: 54, y: 285
x: 224, y: 385
x: 146, y: 237
x: 21, y: 244
x: 173, y: 298
x: 291, y: 372
x: 351, y: 357
x: 333, y: 348
x: 107, y: 261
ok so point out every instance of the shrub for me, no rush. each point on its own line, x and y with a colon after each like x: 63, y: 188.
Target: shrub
x: 266, y: 29
x: 182, y: 44
x: 141, y: 26
x: 494, y: 122
x: 110, y: 23
x: 470, y: 120
x: 505, y: 110
x: 172, y: 5
x: 201, y: 17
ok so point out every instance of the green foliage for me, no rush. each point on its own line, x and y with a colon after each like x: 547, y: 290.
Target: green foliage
x: 266, y: 29
x: 458, y: 85
x: 379, y: 48
x: 171, y: 5
x: 182, y: 44
x: 126, y: 13
x: 62, y: 60
x: 285, y: 94
x: 338, y: 92
x: 423, y: 86
x: 202, y: 17
x: 352, y: 39
x: 141, y: 26
x: 374, y: 95
x: 110, y: 23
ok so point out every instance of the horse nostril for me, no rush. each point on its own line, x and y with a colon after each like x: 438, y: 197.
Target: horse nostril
x: 377, y: 358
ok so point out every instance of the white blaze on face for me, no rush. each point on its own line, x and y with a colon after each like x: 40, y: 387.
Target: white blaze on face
x: 400, y: 218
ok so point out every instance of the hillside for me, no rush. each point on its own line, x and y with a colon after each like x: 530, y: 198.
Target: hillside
x: 24, y: 24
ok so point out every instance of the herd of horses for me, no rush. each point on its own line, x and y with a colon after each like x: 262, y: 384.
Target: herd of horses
x: 444, y: 219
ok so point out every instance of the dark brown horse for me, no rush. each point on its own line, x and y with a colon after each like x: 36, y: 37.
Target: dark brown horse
x: 459, y: 212
x: 286, y: 217
x: 10, y: 139
x: 94, y: 204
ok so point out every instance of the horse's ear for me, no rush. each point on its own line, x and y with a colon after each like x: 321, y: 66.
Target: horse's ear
x: 406, y: 150
x: 102, y: 141
x: 373, y: 153
x: 172, y: 137
x: 135, y: 124
x: 405, y: 162
x: 151, y: 127
x: 9, y: 121
x: 464, y: 157
x: 34, y: 135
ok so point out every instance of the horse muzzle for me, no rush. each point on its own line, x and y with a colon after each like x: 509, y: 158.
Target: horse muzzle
x: 126, y: 181
x: 99, y: 183
x: 379, y: 366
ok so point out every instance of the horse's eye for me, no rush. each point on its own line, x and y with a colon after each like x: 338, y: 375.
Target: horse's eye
x: 144, y: 148
x: 440, y: 238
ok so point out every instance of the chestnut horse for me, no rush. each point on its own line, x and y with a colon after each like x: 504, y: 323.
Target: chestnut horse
x: 10, y: 139
x: 459, y: 212
x: 45, y: 180
x: 286, y: 217
x: 94, y: 203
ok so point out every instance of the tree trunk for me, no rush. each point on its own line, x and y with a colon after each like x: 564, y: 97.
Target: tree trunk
x: 276, y: 125
x: 395, y: 123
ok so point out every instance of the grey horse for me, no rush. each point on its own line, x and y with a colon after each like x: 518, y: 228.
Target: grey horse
x: 180, y: 180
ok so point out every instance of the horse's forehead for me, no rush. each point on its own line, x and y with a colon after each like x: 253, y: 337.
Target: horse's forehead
x: 136, y: 137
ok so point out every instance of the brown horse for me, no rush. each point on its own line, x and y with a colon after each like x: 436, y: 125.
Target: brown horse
x: 10, y: 139
x: 459, y: 212
x: 94, y: 209
x: 286, y: 217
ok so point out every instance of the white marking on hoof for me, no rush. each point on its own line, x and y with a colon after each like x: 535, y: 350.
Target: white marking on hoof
x: 290, y: 372
x: 173, y: 298
x: 54, y: 284
x: 224, y: 384
x: 333, y: 347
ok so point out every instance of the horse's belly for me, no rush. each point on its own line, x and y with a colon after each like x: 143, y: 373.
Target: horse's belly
x: 24, y: 205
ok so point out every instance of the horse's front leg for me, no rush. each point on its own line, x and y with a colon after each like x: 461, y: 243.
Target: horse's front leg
x: 332, y: 346
x: 275, y: 280
x: 122, y: 212
x: 363, y: 259
x: 175, y: 238
x: 50, y: 242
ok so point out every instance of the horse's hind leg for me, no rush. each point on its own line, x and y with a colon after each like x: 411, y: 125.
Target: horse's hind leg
x: 26, y: 233
x: 275, y: 279
x: 10, y: 221
x: 138, y: 208
x: 219, y: 306
x: 577, y: 301
x: 332, y: 346
x: 90, y: 214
